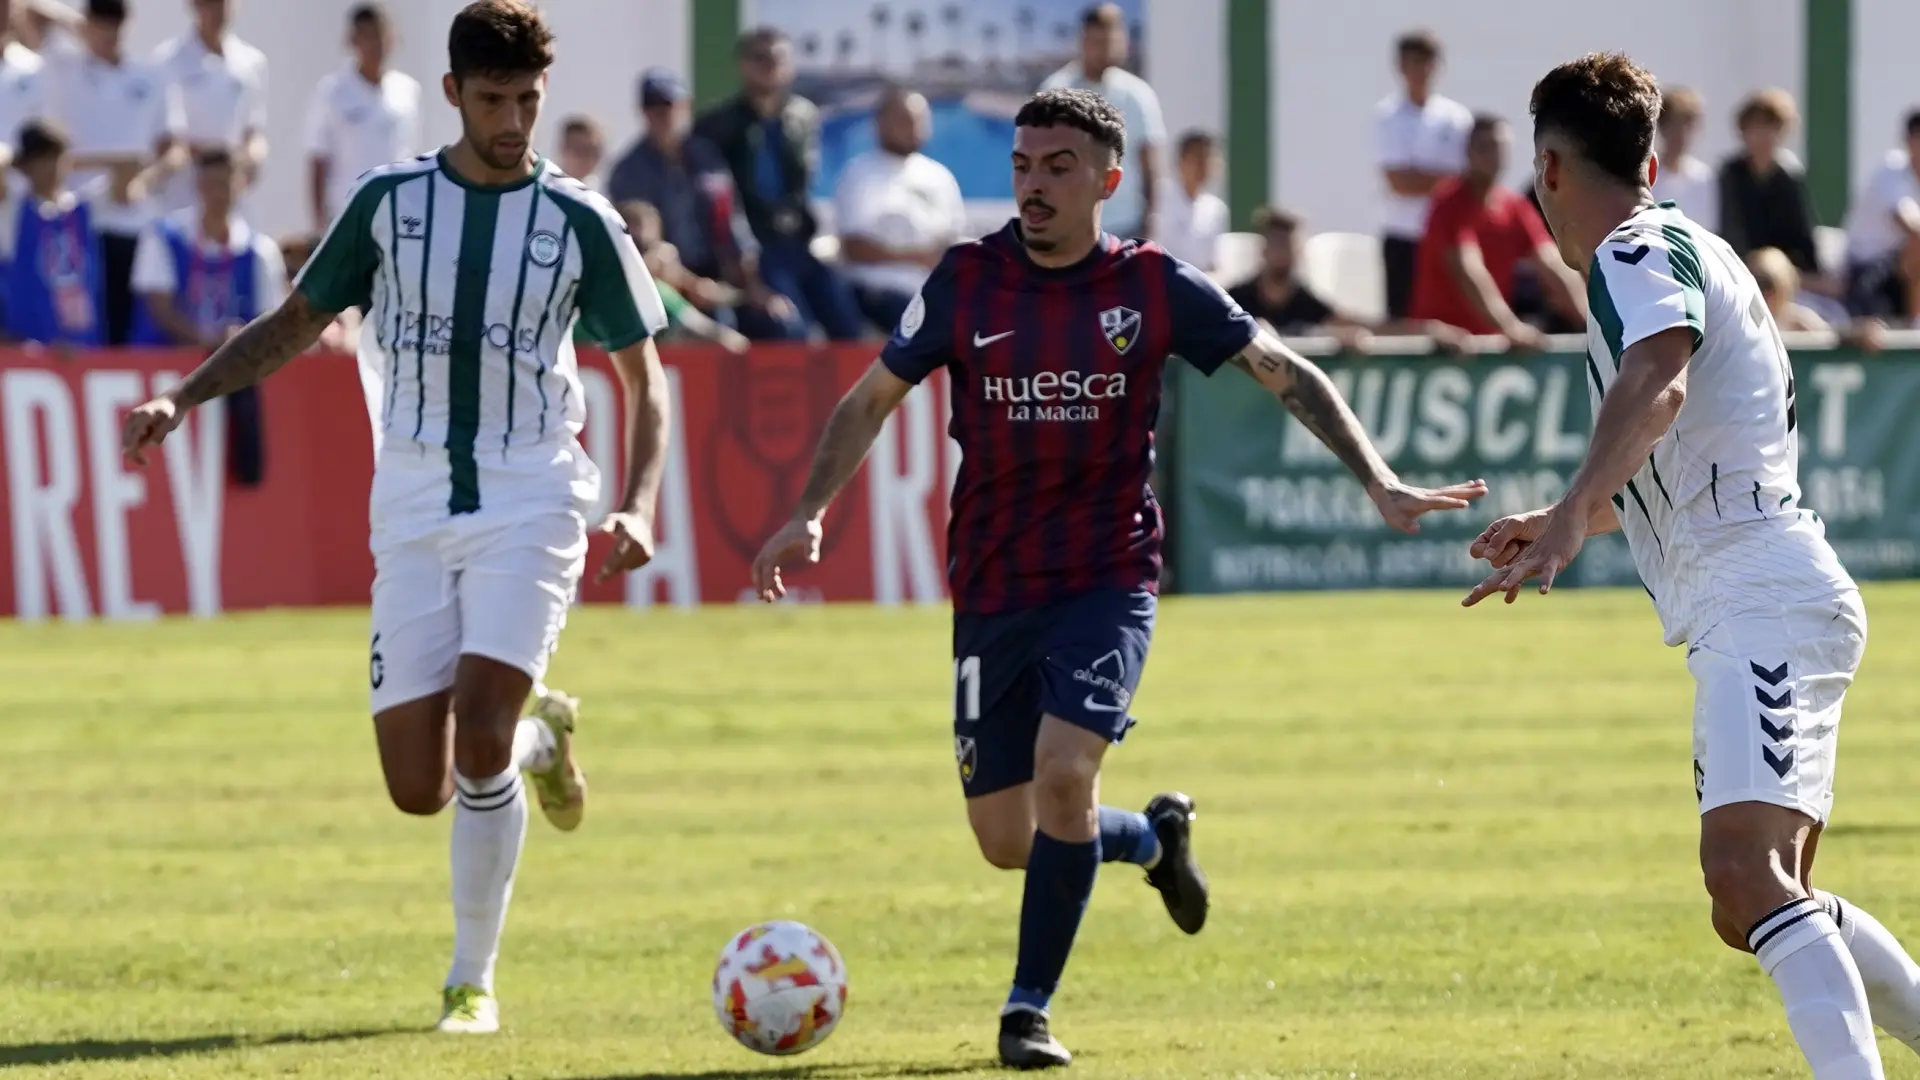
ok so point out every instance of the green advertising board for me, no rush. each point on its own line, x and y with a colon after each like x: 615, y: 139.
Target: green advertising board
x: 1259, y: 504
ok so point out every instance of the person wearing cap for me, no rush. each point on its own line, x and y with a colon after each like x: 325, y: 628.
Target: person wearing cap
x: 684, y: 177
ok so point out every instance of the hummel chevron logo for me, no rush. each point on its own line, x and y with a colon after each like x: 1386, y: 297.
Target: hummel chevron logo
x: 1771, y: 678
x: 982, y: 342
x: 1632, y: 258
x: 1777, y: 734
x: 1780, y: 765
x: 1784, y: 701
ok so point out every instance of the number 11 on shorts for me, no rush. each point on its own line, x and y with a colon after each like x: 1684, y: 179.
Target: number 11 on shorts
x: 966, y: 676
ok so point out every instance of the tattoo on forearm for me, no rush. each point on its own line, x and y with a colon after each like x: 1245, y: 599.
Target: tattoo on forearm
x: 259, y: 350
x: 1313, y: 400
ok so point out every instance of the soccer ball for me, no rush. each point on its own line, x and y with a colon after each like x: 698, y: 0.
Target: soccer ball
x: 779, y: 988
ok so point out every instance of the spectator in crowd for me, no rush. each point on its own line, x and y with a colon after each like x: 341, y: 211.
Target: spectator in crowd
x: 897, y: 210
x: 1422, y: 142
x: 217, y: 96
x: 339, y: 336
x: 1194, y: 218
x: 663, y: 262
x: 114, y: 110
x: 1883, y: 236
x: 770, y: 138
x: 1763, y: 197
x: 23, y: 94
x: 1104, y: 44
x: 1478, y: 235
x: 583, y: 146
x: 55, y: 277
x: 686, y: 180
x: 1779, y: 284
x: 361, y: 117
x: 1684, y: 179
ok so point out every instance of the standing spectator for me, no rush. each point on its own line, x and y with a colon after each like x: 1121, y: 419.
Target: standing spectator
x: 1104, y: 45
x: 1883, y: 236
x: 55, y: 274
x: 898, y: 210
x: 1478, y: 235
x: 1422, y: 141
x: 770, y: 138
x: 217, y: 93
x: 1763, y: 197
x: 583, y: 146
x: 23, y: 94
x: 361, y: 117
x: 1194, y: 218
x: 114, y: 109
x: 685, y: 179
x: 1683, y: 179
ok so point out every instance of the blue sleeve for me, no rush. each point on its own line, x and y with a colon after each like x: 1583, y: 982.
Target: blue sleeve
x: 1208, y: 327
x: 923, y: 342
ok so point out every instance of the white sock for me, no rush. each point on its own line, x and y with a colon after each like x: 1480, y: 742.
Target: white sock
x: 1798, y: 945
x: 1891, y: 977
x: 489, y: 825
x: 533, y: 745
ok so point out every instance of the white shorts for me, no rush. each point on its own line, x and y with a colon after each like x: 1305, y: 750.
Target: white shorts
x: 486, y: 587
x: 1766, y: 713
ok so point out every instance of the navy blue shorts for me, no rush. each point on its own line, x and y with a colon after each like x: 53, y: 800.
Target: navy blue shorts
x: 1078, y: 659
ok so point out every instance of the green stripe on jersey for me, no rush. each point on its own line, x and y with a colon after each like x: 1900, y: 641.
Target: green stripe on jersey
x: 1600, y: 302
x: 426, y: 311
x: 478, y: 219
x: 1684, y: 258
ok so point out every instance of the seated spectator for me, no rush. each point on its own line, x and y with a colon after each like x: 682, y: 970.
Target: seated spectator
x: 663, y: 262
x: 1883, y: 237
x: 1763, y: 197
x: 55, y: 289
x: 1683, y: 179
x: 1780, y: 285
x: 1276, y: 295
x: 582, y: 148
x: 684, y: 177
x: 1194, y: 218
x: 897, y: 210
x: 1478, y: 235
x: 202, y: 273
x: 770, y: 138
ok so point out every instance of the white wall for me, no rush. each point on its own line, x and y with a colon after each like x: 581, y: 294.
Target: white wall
x: 1332, y: 62
x: 602, y: 44
x: 1187, y: 64
x: 1886, y: 83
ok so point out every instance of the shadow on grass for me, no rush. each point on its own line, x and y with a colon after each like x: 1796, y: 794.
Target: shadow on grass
x: 58, y: 1053
x: 809, y: 1072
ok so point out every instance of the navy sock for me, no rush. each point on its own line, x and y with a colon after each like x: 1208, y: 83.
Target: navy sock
x: 1127, y: 836
x: 1059, y: 882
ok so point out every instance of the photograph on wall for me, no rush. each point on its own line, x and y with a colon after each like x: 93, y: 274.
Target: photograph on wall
x: 975, y: 61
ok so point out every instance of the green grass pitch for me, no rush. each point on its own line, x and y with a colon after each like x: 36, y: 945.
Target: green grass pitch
x: 1444, y: 844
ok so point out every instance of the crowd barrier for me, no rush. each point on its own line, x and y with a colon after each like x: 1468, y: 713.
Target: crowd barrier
x: 1256, y: 503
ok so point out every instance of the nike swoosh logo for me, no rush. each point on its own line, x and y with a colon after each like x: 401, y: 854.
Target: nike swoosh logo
x: 981, y: 342
x: 1093, y: 706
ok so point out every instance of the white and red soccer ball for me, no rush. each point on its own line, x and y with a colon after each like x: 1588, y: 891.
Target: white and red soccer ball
x: 779, y: 988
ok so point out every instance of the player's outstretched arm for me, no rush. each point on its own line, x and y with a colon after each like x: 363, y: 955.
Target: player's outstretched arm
x: 850, y: 433
x: 1313, y: 400
x: 261, y: 348
x: 1637, y: 410
x: 643, y: 383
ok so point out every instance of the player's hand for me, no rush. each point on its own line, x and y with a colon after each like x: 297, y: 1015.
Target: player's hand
x: 1401, y: 505
x: 149, y: 425
x: 632, y: 545
x: 797, y: 541
x: 1560, y: 538
x: 1504, y: 540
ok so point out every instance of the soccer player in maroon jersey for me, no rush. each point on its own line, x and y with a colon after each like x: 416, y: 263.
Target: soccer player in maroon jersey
x: 1055, y: 334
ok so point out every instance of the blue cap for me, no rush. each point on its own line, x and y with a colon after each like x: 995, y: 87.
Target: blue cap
x: 661, y: 87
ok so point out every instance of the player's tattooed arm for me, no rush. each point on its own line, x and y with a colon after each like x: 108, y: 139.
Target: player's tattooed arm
x: 259, y: 349
x: 1313, y: 400
x: 850, y: 433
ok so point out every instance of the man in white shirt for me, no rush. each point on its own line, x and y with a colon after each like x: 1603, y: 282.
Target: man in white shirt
x: 115, y: 109
x: 23, y: 95
x: 897, y: 210
x: 216, y: 95
x: 1883, y: 237
x: 1423, y: 140
x: 1685, y: 180
x: 1104, y: 43
x: 583, y: 146
x: 1195, y: 218
x: 362, y: 117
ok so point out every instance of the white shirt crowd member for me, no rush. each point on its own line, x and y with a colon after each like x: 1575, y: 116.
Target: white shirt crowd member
x: 23, y: 92
x: 214, y: 100
x: 357, y: 126
x: 1140, y: 107
x: 1693, y: 186
x: 1190, y: 228
x: 1431, y: 137
x: 1872, y: 233
x: 108, y: 109
x: 899, y: 202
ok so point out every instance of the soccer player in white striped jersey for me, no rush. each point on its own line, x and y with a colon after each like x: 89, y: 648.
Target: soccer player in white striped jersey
x: 1693, y: 458
x: 473, y: 266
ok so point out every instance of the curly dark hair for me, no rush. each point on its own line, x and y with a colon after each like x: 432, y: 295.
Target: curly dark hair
x: 1606, y: 106
x: 499, y: 38
x: 1081, y: 109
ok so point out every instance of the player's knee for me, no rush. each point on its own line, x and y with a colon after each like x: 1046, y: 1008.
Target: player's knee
x: 1065, y: 781
x: 1004, y: 849
x: 1729, y: 930
x: 420, y: 799
x: 1745, y: 883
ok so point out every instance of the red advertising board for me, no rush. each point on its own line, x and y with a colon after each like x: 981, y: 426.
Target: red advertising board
x: 85, y: 535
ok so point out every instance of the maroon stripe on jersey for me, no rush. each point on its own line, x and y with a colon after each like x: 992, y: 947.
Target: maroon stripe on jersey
x: 967, y: 524
x: 1051, y: 537
x: 1160, y: 311
x: 1101, y: 514
x: 1000, y: 556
